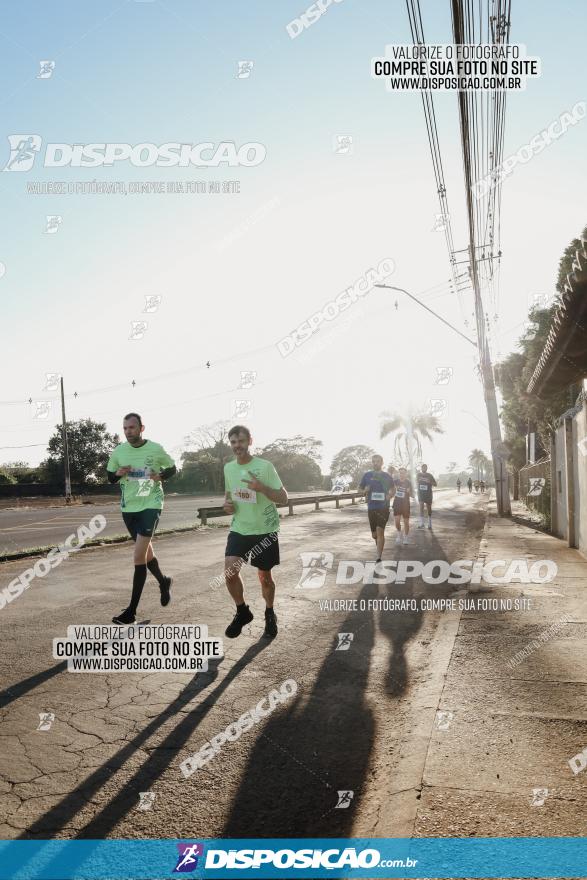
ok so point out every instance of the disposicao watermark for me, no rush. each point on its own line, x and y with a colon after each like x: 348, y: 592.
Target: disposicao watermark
x: 331, y: 310
x: 287, y: 689
x: 536, y: 643
x: 316, y: 565
x: 24, y: 149
x: 308, y: 18
x: 539, y: 142
x: 53, y: 558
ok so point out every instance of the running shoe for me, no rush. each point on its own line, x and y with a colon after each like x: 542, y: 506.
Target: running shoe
x: 398, y: 538
x: 430, y: 526
x: 378, y: 560
x: 124, y: 617
x: 240, y: 619
x: 165, y: 594
x: 406, y: 540
x: 270, y: 623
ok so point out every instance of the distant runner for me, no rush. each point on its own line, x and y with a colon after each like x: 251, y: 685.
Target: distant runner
x: 379, y: 489
x: 476, y: 485
x: 425, y: 482
x: 253, y: 489
x: 401, y: 505
x: 483, y: 485
x: 140, y: 466
x: 459, y: 484
x: 470, y: 484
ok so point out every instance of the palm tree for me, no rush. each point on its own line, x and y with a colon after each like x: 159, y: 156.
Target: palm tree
x: 409, y: 432
x: 479, y: 460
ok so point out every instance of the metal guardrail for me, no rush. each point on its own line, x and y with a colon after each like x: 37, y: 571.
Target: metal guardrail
x: 206, y: 513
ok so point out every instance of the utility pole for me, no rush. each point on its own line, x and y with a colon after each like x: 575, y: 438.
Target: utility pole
x: 502, y: 491
x: 65, y: 448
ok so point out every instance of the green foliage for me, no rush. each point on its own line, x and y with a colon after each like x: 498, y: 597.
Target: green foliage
x: 481, y: 464
x: 520, y: 408
x: 295, y: 461
x: 566, y: 261
x: 21, y: 472
x: 351, y: 461
x: 6, y: 478
x: 89, y: 446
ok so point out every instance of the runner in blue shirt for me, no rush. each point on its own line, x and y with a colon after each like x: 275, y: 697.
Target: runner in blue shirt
x: 379, y: 489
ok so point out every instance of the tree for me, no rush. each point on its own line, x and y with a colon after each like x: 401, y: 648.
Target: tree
x: 451, y: 467
x: 297, y: 445
x: 566, y: 261
x: 421, y: 426
x: 520, y: 409
x: 295, y: 460
x: 478, y: 459
x: 203, y: 468
x: 89, y: 447
x: 351, y: 461
x: 20, y: 471
x: 6, y: 478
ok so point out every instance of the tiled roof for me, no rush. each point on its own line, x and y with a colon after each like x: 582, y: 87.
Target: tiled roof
x: 564, y: 359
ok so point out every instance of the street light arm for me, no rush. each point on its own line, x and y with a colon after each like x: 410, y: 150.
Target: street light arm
x: 440, y: 318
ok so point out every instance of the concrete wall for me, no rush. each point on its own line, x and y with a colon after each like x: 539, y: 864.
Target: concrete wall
x: 569, y: 489
x: 559, y: 491
x: 580, y: 476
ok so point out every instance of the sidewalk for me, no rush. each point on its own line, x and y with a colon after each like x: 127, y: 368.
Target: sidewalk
x: 514, y: 727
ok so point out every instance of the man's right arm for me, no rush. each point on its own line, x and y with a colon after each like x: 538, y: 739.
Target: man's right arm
x: 228, y: 502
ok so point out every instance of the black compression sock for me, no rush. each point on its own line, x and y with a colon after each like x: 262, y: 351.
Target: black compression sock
x: 138, y: 582
x: 153, y: 567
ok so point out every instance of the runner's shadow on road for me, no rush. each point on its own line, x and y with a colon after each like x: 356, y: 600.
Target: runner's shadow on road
x: 159, y: 760
x: 311, y: 749
x: 401, y: 626
x: 18, y: 690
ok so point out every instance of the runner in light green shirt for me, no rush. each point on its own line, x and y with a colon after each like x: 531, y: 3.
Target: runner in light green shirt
x: 137, y: 490
x: 140, y: 466
x: 253, y: 491
x: 254, y: 514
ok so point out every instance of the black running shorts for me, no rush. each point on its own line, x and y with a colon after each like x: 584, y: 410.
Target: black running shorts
x: 144, y: 522
x: 401, y: 506
x: 378, y: 518
x: 262, y: 551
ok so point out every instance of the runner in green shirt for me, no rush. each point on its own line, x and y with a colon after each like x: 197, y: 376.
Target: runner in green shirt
x: 141, y: 466
x: 253, y: 489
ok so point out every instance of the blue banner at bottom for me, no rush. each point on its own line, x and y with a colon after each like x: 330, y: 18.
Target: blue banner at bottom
x: 291, y: 858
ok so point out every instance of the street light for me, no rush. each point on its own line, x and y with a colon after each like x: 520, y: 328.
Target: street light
x: 401, y: 290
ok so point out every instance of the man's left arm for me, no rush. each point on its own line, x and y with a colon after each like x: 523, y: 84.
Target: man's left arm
x: 271, y: 486
x: 434, y: 483
x: 167, y: 467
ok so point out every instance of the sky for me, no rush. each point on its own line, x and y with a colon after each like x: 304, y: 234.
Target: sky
x: 237, y: 271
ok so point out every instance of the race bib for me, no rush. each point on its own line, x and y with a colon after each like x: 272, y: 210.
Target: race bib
x: 400, y: 493
x: 139, y: 474
x: 245, y: 496
x: 377, y: 496
x: 423, y: 487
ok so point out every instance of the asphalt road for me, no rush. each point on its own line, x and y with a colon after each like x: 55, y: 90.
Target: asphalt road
x: 21, y: 529
x: 359, y: 721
